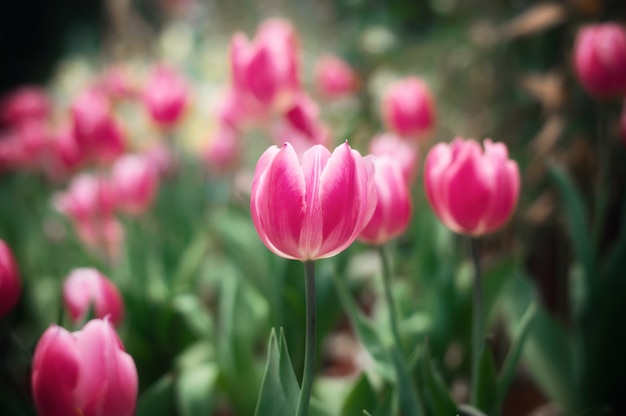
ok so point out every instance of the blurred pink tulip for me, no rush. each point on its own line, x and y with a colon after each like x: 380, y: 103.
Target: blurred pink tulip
x: 28, y: 103
x: 223, y: 152
x: 315, y: 207
x: 266, y: 68
x: 87, y: 198
x: 84, y: 288
x: 334, y: 78
x: 405, y: 153
x: 104, y: 236
x: 10, y: 281
x: 300, y: 126
x: 85, y: 373
x: 240, y: 111
x: 394, y: 207
x: 600, y: 59
x: 95, y: 128
x: 116, y: 83
x: 135, y: 183
x: 160, y: 156
x: 472, y: 192
x: 166, y: 96
x: 408, y: 108
x: 66, y: 155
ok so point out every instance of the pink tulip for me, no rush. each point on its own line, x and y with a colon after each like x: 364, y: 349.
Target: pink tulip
x: 315, y: 207
x: 223, y: 153
x: 301, y: 126
x: 393, y: 209
x: 104, y: 236
x: 166, y: 96
x: 600, y: 59
x: 404, y: 153
x: 239, y: 111
x: 116, y: 83
x: 86, y: 287
x: 95, y: 128
x: 471, y: 192
x: 85, y: 373
x: 135, y: 183
x: 160, y: 156
x: 266, y: 69
x: 408, y: 108
x: 10, y: 282
x: 65, y: 153
x: 29, y: 103
x: 88, y: 198
x: 334, y: 78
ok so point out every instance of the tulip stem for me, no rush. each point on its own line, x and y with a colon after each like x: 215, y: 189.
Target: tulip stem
x: 603, y: 158
x: 309, y: 352
x: 389, y: 297
x: 477, y: 317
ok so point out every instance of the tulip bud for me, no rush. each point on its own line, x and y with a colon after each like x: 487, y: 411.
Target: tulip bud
x: 471, y: 192
x: 393, y: 209
x: 334, y: 78
x: 30, y: 103
x: 95, y: 128
x: 408, y: 108
x: 135, y: 183
x: 223, y: 153
x: 301, y: 126
x: 166, y: 96
x: 313, y: 207
x: 10, y: 282
x: 267, y: 68
x: 600, y: 59
x: 86, y: 287
x: 85, y: 373
x: 404, y: 153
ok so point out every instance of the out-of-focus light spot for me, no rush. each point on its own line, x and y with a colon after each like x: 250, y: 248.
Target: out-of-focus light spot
x: 443, y: 7
x: 377, y: 40
x: 176, y: 42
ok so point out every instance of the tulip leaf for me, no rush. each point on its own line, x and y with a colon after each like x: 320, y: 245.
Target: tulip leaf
x: 194, y: 389
x: 279, y: 388
x: 158, y: 399
x: 408, y: 396
x: 435, y: 392
x: 193, y: 313
x: 576, y: 221
x: 366, y: 331
x: 512, y: 358
x: 361, y: 397
x: 484, y: 393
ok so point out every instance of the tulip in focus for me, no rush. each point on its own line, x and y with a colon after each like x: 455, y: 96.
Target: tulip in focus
x: 313, y: 207
x: 404, y: 153
x: 408, y: 108
x: 600, y: 59
x: 301, y: 126
x: 166, y: 96
x: 223, y: 153
x: 85, y: 287
x: 135, y: 183
x: 393, y: 209
x: 472, y: 192
x: 10, y: 282
x: 84, y: 373
x: 334, y: 78
x: 29, y: 103
x: 266, y: 69
x: 96, y: 131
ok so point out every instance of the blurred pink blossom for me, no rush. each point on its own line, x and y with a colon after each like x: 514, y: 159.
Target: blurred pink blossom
x: 334, y: 78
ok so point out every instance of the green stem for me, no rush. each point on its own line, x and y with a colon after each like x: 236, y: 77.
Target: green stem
x: 477, y: 317
x: 389, y: 297
x: 309, y: 352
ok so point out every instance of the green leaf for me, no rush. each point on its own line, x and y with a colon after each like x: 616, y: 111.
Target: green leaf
x: 366, y: 331
x: 158, y: 399
x: 190, y: 261
x: 409, y: 400
x: 279, y: 389
x: 512, y: 358
x: 576, y: 220
x: 436, y: 394
x: 192, y: 311
x: 485, y: 394
x: 195, y: 389
x: 362, y: 397
x: 547, y: 352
